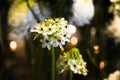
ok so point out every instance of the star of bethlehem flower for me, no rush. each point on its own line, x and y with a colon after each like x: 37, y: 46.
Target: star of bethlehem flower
x: 73, y: 61
x: 53, y: 32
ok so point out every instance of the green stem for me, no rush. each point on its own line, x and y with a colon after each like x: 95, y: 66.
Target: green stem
x: 70, y: 75
x: 52, y: 63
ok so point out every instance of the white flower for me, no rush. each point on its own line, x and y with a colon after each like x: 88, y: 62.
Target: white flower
x: 73, y: 66
x: 38, y: 28
x: 62, y: 63
x: 46, y: 43
x: 58, y: 42
x: 78, y: 66
x: 73, y: 61
x: 83, y: 12
x: 53, y: 32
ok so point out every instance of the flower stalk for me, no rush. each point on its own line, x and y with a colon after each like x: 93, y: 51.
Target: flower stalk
x: 70, y: 75
x: 52, y: 63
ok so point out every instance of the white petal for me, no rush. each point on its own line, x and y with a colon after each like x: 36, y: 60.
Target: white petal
x: 55, y: 44
x: 61, y: 71
x: 48, y: 46
x: 60, y: 45
x: 44, y: 45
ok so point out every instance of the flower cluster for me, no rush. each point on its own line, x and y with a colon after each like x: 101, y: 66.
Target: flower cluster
x: 73, y: 61
x: 53, y: 32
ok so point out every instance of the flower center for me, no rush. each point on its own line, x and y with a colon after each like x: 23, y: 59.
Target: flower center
x: 50, y: 29
x: 41, y: 29
x: 65, y: 62
x: 59, y: 40
x: 65, y: 35
x: 74, y: 65
x: 47, y: 41
x: 66, y: 26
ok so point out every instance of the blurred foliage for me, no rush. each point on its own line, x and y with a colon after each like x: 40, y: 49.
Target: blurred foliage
x: 115, y: 7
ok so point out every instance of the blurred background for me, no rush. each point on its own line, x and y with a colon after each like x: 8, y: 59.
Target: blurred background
x: 96, y: 32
